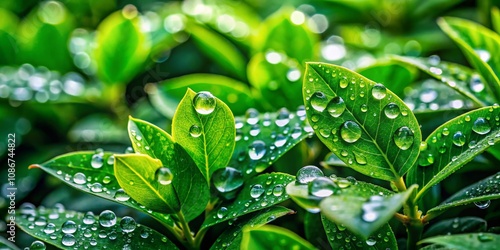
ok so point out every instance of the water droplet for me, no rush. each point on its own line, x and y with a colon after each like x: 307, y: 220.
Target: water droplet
x: 379, y: 91
x: 255, y: 130
x: 49, y: 228
x: 37, y: 245
x: 278, y: 190
x: 68, y: 240
x: 128, y: 224
x: 459, y: 138
x: 280, y: 140
x: 164, y: 176
x: 88, y: 218
x: 195, y: 131
x: 481, y: 126
x: 283, y: 117
x: 319, y: 101
x: 96, y: 187
x: 308, y: 173
x: 257, y: 150
x: 336, y: 106
x: 350, y: 131
x: 144, y: 234
x: 482, y: 204
x: 121, y: 195
x: 97, y: 160
x: 364, y: 108
x: 256, y: 191
x: 343, y: 83
x: 391, y: 110
x: 484, y: 55
x: 222, y: 212
x: 403, y: 138
x: 252, y: 116
x: 372, y: 208
x: 371, y: 241
x: 476, y: 84
x: 107, y: 218
x: 227, y: 179
x: 204, y: 103
x: 360, y: 158
x: 322, y: 187
x: 69, y: 227
x: 80, y: 178
x: 111, y: 160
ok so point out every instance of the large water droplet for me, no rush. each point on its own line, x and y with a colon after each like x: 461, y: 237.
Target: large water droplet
x: 379, y: 91
x: 322, y: 187
x: 128, y: 224
x: 69, y: 227
x: 164, y: 176
x: 121, y: 195
x: 350, y: 131
x: 227, y: 179
x: 97, y: 160
x: 195, y: 131
x: 68, y: 240
x: 80, y: 178
x: 403, y: 138
x: 319, y: 101
x: 256, y: 191
x: 336, y: 106
x: 37, y: 245
x: 107, y: 218
x: 204, y: 103
x: 391, y: 110
x: 459, y: 138
x: 257, y: 150
x: 308, y: 173
x: 481, y: 126
x: 482, y: 204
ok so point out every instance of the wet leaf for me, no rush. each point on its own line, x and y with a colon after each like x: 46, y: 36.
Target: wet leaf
x: 456, y: 226
x: 267, y: 235
x: 485, y: 241
x: 362, y: 122
x: 478, y: 45
x: 453, y: 144
x: 258, y: 193
x: 68, y: 229
x: 204, y: 126
x: 137, y: 175
x: 7, y: 245
x: 339, y: 237
x: 231, y: 237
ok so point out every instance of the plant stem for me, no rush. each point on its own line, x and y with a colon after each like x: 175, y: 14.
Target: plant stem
x: 199, y: 237
x: 187, y: 232
x: 414, y: 225
x: 400, y: 184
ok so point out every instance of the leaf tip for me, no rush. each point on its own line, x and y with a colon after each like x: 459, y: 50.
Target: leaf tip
x: 34, y: 166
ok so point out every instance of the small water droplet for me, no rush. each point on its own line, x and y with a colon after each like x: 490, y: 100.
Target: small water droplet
x: 227, y: 179
x: 111, y: 160
x: 350, y: 131
x: 482, y: 204
x: 360, y: 158
x: 256, y: 191
x: 481, y: 126
x: 121, y: 195
x: 371, y: 241
x: 96, y: 187
x: 403, y: 138
x: 476, y: 84
x: 195, y: 131
x: 204, y: 103
x: 391, y: 110
x: 107, y: 218
x: 37, y: 245
x: 322, y: 187
x: 308, y: 173
x: 319, y: 101
x: 49, y: 228
x: 336, y: 106
x: 280, y: 140
x: 364, y: 108
x: 88, y: 218
x: 97, y: 160
x: 459, y: 138
x: 164, y: 176
x: 379, y: 91
x: 252, y: 116
x: 68, y: 240
x: 343, y: 83
x: 222, y: 212
x: 257, y: 150
x: 144, y: 234
x: 372, y: 208
x: 278, y: 190
x: 80, y: 178
x: 128, y: 224
x: 283, y: 117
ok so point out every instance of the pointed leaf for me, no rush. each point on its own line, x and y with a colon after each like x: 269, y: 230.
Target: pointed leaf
x: 267, y: 235
x: 67, y: 229
x: 483, y: 241
x: 204, y: 126
x: 189, y: 184
x: 136, y: 175
x: 77, y: 167
x: 479, y: 45
x: 362, y: 122
x: 339, y: 237
x: 231, y: 237
x: 361, y: 216
x: 258, y: 193
x: 453, y: 144
x: 456, y: 226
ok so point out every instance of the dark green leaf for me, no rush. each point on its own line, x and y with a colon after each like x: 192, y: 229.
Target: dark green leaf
x: 231, y: 237
x: 456, y: 226
x: 189, y: 184
x: 7, y: 245
x: 362, y: 122
x: 314, y: 234
x: 453, y: 144
x: 258, y: 193
x: 495, y: 18
x: 483, y: 241
x: 67, y: 229
x: 265, y: 236
x: 8, y: 27
x: 204, y: 126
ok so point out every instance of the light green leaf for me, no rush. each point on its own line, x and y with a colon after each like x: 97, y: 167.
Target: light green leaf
x: 361, y: 216
x: 75, y: 168
x: 204, y: 126
x: 189, y: 184
x: 67, y: 229
x: 258, y: 193
x: 483, y: 241
x: 267, y: 235
x: 8, y: 27
x: 362, y: 122
x: 479, y: 45
x: 339, y: 237
x: 453, y: 144
x: 231, y: 237
x: 136, y: 174
x: 456, y: 226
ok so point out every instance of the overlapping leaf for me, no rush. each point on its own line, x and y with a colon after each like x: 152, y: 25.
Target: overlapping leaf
x: 484, y: 241
x: 362, y: 122
x: 456, y: 226
x: 265, y: 236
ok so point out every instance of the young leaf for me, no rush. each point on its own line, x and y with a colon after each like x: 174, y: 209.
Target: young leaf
x: 137, y: 175
x: 189, y: 184
x: 361, y: 216
x: 204, y: 126
x: 231, y: 237
x: 70, y: 229
x: 362, y: 122
x: 258, y: 193
x: 478, y: 45
x: 456, y: 226
x: 339, y: 237
x: 453, y: 144
x: 265, y: 236
x: 483, y: 241
x: 76, y: 168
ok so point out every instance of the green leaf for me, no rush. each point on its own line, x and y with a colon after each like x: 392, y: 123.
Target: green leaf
x: 8, y: 27
x: 231, y: 237
x: 136, y: 174
x: 258, y: 193
x: 483, y: 241
x: 7, y: 245
x: 480, y: 193
x: 189, y: 184
x: 362, y: 122
x: 361, y: 216
x: 314, y: 234
x: 204, y: 126
x: 456, y: 226
x: 495, y: 18
x: 65, y: 229
x: 339, y: 237
x: 75, y: 168
x: 479, y: 45
x: 453, y: 144
x: 265, y: 236
x: 121, y: 47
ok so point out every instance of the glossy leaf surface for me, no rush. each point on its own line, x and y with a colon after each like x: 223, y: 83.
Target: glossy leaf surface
x: 265, y: 236
x: 456, y: 226
x: 486, y: 241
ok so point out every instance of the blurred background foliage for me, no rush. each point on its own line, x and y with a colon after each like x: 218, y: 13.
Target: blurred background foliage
x: 72, y: 71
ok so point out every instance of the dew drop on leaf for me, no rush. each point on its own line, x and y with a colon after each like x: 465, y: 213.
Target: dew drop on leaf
x: 364, y: 108
x: 79, y: 178
x: 107, y: 218
x: 256, y: 191
x: 481, y: 126
x: 391, y: 110
x: 257, y: 150
x: 283, y: 117
x: 144, y: 234
x: 350, y: 131
x: 111, y: 160
x: 308, y: 173
x: 322, y: 187
x: 372, y: 207
x: 278, y: 190
x: 371, y: 241
x: 164, y: 176
x: 336, y: 106
x: 476, y: 84
x: 49, y: 228
x: 121, y: 195
x: 252, y: 116
x: 222, y: 212
x: 88, y: 218
x: 204, y: 103
x: 128, y: 224
x: 343, y: 83
x: 68, y: 240
x: 459, y: 138
x: 97, y: 160
x: 227, y: 179
x: 37, y: 245
x: 280, y: 140
x: 96, y: 187
x: 360, y: 158
x: 195, y: 131
x: 482, y: 204
x: 403, y: 138
x: 379, y: 91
